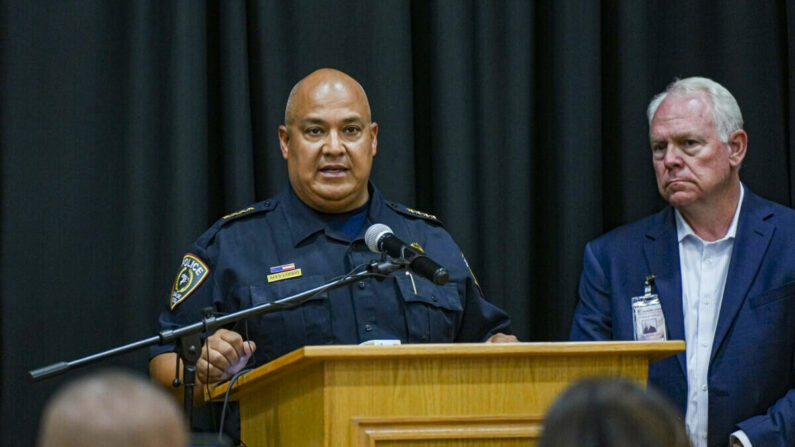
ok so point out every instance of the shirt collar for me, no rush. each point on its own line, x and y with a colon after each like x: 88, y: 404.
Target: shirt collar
x: 683, y: 229
x: 303, y: 221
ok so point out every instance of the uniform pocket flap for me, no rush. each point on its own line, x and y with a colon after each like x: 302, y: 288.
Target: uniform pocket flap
x: 415, y: 289
x: 271, y: 293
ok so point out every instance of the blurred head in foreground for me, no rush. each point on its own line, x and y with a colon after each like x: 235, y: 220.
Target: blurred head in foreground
x: 112, y: 409
x: 612, y: 412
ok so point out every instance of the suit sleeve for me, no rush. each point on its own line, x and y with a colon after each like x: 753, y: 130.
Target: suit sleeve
x: 776, y: 428
x: 593, y: 316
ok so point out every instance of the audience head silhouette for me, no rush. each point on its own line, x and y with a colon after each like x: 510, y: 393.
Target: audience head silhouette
x: 612, y: 412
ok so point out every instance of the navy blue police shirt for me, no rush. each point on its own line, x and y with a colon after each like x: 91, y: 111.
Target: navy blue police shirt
x: 280, y: 247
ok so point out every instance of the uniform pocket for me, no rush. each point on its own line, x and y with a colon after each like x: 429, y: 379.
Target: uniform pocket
x: 290, y: 328
x: 432, y: 311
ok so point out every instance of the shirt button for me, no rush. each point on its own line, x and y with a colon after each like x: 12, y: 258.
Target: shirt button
x: 703, y: 388
x: 368, y: 328
x: 362, y: 285
x: 708, y: 261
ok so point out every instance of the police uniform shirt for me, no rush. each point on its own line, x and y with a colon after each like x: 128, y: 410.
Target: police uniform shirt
x: 280, y: 247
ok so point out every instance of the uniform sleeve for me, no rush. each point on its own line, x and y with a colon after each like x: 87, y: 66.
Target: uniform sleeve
x: 592, y: 317
x: 191, y: 292
x: 481, y: 319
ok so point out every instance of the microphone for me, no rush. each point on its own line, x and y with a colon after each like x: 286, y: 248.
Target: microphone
x: 380, y: 239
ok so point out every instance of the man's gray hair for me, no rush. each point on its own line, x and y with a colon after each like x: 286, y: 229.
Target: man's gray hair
x: 726, y: 115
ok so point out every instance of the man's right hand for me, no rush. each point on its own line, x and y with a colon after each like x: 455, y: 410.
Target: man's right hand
x: 224, y: 353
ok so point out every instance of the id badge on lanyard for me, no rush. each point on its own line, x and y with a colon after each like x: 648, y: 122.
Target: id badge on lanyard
x: 647, y: 315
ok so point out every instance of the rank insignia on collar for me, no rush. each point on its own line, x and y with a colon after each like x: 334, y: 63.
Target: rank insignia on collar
x: 192, y: 272
x: 285, y: 271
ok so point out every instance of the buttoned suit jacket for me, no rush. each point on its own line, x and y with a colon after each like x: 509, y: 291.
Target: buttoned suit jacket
x: 752, y: 365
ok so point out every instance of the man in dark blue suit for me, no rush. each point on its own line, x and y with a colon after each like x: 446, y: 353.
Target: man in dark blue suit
x: 724, y: 265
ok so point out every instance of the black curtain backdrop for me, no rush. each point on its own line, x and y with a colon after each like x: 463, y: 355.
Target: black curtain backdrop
x: 128, y: 127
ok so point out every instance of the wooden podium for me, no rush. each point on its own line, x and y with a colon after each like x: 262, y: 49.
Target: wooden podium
x: 422, y: 395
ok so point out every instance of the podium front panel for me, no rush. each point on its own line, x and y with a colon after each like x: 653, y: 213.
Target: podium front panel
x: 417, y: 398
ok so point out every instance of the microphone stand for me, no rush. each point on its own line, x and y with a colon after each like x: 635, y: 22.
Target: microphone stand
x: 187, y: 339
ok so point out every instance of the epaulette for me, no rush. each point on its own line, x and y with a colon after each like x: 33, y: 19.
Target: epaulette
x: 259, y: 207
x: 406, y: 211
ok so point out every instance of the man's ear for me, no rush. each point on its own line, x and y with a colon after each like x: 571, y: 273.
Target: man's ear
x: 284, y: 138
x: 738, y: 143
x: 374, y: 135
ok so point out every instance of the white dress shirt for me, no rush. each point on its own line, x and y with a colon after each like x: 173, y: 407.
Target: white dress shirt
x: 704, y: 266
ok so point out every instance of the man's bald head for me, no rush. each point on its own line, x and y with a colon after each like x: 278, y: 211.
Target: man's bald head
x: 320, y: 81
x: 112, y: 409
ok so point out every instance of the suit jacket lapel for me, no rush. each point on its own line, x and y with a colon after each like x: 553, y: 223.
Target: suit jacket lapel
x: 750, y: 245
x: 661, y: 249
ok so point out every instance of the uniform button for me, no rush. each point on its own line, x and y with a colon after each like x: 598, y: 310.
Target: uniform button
x: 433, y: 298
x: 362, y: 285
x: 267, y: 203
x: 368, y: 328
x: 703, y: 388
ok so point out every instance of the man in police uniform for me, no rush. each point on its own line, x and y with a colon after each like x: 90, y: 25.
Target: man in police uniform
x: 311, y: 233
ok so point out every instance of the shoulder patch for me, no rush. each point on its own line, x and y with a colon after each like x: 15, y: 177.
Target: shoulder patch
x: 414, y: 213
x: 192, y: 272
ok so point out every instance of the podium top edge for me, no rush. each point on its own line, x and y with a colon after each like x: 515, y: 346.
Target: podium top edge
x: 653, y: 351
